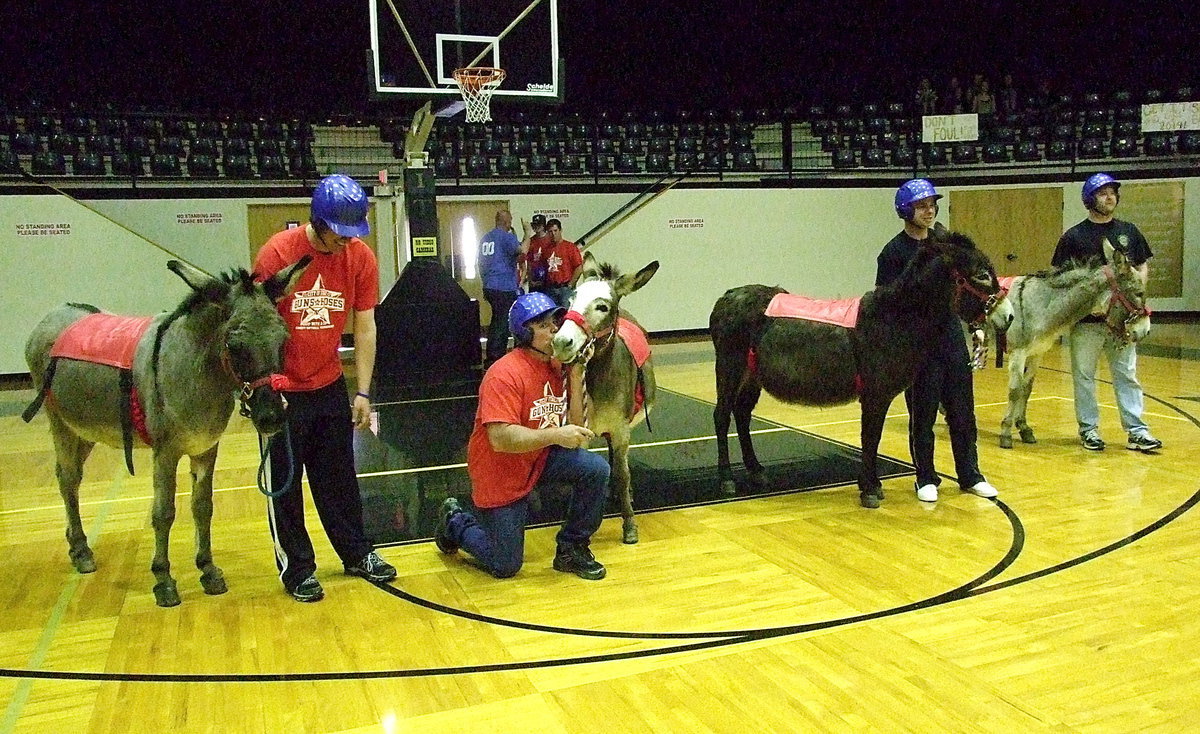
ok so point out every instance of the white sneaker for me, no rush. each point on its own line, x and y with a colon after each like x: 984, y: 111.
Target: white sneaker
x: 927, y: 493
x: 983, y: 489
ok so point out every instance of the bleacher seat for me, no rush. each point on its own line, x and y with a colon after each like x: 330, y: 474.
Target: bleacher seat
x: 1027, y: 151
x: 628, y: 163
x: 204, y: 146
x: 1092, y: 130
x: 1063, y: 132
x: 571, y: 164
x: 1059, y: 150
x: 48, y: 163
x: 63, y: 143
x: 478, y: 166
x: 521, y: 147
x: 25, y: 143
x: 9, y: 162
x: 170, y: 144
x: 98, y: 143
x: 77, y: 125
x: 508, y: 165
x: 965, y: 153
x: 164, y: 164
x: 1125, y: 129
x: 874, y: 158
x: 995, y: 153
x: 303, y: 165
x: 605, y: 147
x: 270, y: 165
x: 114, y: 126
x: 860, y: 141
x: 744, y: 160
x: 237, y: 165
x: 576, y: 147
x: 210, y: 129
x: 550, y: 147
x: 845, y: 158
x: 1124, y: 147
x: 445, y: 165
x: 40, y: 124
x: 687, y: 161
x: 539, y: 163
x: 904, y: 156
x: 657, y: 163
x: 1158, y: 144
x: 239, y: 129
x: 1092, y: 148
x: 88, y: 163
x: 236, y: 146
x: 632, y: 146
x: 1189, y: 142
x: 128, y: 164
x: 265, y: 146
x: 176, y: 127
x: 936, y: 155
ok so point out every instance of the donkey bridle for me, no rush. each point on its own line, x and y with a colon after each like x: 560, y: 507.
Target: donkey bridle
x: 1135, y: 312
x: 990, y: 301
x: 248, y: 386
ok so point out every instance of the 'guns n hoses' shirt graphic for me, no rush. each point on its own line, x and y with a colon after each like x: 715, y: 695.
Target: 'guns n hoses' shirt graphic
x: 314, y: 306
x: 549, y: 410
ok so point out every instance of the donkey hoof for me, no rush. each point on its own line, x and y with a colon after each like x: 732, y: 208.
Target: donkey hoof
x: 1006, y: 442
x: 83, y: 562
x: 870, y: 499
x: 1027, y: 436
x: 757, y: 479
x: 165, y: 594
x: 630, y: 535
x: 213, y: 583
x: 728, y: 488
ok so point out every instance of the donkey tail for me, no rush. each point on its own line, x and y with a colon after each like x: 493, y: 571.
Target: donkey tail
x: 32, y: 409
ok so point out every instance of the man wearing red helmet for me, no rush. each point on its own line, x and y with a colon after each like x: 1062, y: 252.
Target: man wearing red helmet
x: 1090, y: 337
x: 944, y: 377
x: 343, y: 277
x: 528, y: 434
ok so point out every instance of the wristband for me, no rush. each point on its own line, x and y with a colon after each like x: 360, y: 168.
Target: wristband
x: 362, y: 395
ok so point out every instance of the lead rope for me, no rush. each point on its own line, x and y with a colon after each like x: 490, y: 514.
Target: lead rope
x: 585, y: 398
x: 265, y: 459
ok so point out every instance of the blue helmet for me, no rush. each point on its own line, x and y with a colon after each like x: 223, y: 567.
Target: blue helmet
x: 341, y: 204
x: 526, y: 308
x: 1095, y: 182
x: 910, y: 192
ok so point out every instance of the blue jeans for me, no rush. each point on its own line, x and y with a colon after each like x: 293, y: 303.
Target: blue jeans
x: 1087, y: 341
x: 497, y: 537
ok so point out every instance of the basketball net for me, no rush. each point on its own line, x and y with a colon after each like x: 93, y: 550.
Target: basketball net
x: 477, y: 84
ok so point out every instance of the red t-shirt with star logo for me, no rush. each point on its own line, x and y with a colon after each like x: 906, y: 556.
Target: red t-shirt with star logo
x: 562, y: 260
x: 521, y: 390
x: 316, y: 310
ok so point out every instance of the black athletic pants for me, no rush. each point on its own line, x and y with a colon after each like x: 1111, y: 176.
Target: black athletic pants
x: 944, y: 378
x: 497, y: 340
x: 321, y: 434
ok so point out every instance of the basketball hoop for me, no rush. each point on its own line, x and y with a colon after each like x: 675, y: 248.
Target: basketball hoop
x: 477, y: 84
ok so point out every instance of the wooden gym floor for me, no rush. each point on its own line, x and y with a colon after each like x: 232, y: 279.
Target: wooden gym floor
x: 1065, y: 606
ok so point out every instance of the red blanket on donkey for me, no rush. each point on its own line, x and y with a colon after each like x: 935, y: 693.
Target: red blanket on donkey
x: 635, y: 340
x: 839, y: 312
x: 105, y: 338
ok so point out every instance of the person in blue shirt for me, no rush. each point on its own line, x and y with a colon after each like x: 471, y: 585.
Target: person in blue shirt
x: 498, y: 253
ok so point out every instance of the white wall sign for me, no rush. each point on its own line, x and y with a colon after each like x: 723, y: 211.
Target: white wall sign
x: 1170, y: 116
x: 199, y: 218
x: 686, y: 223
x: 949, y: 128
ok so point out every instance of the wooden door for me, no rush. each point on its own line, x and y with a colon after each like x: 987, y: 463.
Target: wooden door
x: 1157, y: 210
x: 1017, y: 228
x: 452, y: 216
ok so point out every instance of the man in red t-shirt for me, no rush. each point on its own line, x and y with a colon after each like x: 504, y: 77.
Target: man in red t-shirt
x: 562, y: 258
x: 532, y: 265
x: 528, y: 434
x: 343, y: 277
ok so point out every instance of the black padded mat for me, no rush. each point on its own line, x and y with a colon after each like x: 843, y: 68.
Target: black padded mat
x: 415, y: 460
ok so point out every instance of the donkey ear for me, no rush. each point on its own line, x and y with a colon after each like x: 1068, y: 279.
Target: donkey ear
x: 1112, y: 254
x: 198, y: 280
x: 627, y: 284
x: 590, y: 270
x: 280, y: 284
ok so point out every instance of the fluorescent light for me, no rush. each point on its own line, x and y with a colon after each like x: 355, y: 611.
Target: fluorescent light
x: 470, y: 248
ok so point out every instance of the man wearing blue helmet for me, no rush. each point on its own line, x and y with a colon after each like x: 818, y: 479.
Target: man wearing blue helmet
x: 343, y: 278
x: 1090, y: 337
x: 528, y: 435
x: 944, y: 377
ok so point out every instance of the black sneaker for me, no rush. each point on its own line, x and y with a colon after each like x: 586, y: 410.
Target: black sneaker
x: 308, y: 590
x: 1143, y: 442
x: 373, y: 568
x: 441, y: 535
x: 1091, y: 440
x: 578, y: 559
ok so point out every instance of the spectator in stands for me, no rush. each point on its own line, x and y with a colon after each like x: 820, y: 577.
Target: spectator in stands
x: 533, y: 264
x: 562, y: 259
x: 1090, y: 336
x: 1008, y: 97
x: 984, y: 104
x: 973, y: 88
x: 954, y: 100
x: 528, y: 435
x: 498, y: 253
x: 926, y: 97
x: 343, y: 277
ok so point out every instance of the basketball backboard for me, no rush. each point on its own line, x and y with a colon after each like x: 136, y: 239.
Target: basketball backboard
x: 417, y: 44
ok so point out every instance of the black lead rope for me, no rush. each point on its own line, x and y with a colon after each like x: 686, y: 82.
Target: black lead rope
x: 265, y: 459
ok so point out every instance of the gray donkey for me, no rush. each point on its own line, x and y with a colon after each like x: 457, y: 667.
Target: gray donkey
x: 1047, y: 304
x: 170, y: 385
x: 619, y: 373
